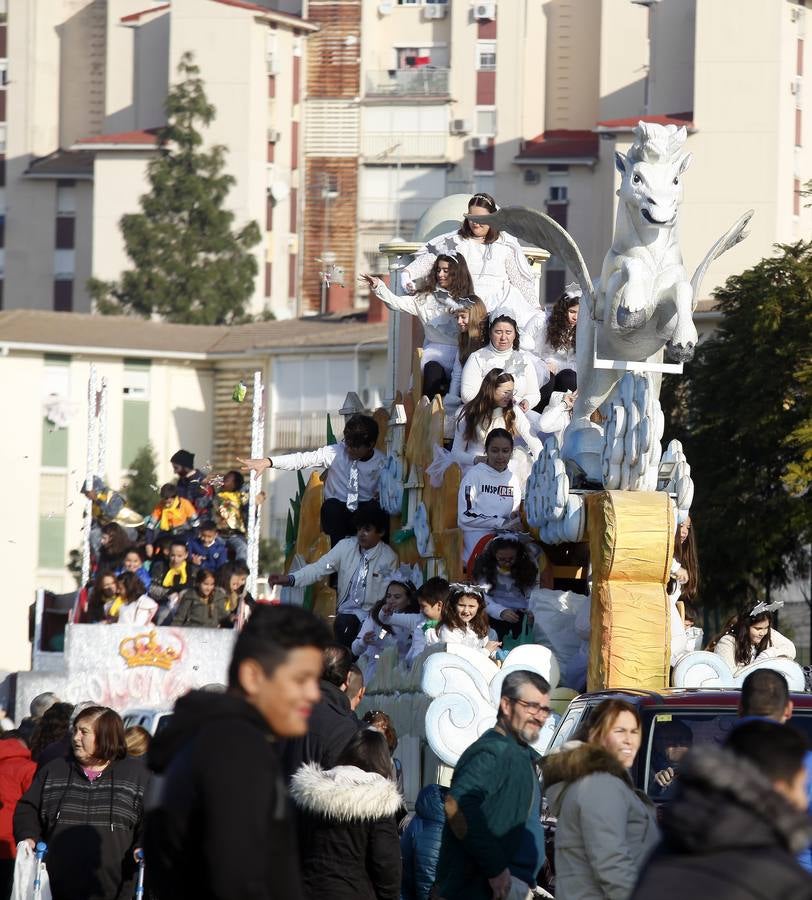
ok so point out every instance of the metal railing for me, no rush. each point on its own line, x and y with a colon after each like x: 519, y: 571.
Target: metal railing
x: 392, y: 146
x: 421, y: 81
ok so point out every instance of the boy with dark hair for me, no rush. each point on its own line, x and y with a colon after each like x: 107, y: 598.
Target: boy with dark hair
x: 174, y: 515
x: 230, y: 508
x: 218, y: 825
x: 737, y: 820
x: 361, y: 564
x: 207, y: 549
x: 191, y: 481
x: 352, y: 482
x: 170, y: 579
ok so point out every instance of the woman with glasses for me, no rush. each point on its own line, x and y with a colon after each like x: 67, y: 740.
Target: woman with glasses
x: 605, y: 829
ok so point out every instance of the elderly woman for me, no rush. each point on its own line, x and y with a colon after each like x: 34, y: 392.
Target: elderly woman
x: 605, y: 829
x: 88, y: 808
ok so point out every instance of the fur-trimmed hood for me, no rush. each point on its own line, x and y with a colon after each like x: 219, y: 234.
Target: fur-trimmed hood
x: 576, y: 759
x: 726, y: 802
x: 345, y: 793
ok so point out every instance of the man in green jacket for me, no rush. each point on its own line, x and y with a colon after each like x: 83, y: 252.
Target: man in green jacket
x: 493, y: 830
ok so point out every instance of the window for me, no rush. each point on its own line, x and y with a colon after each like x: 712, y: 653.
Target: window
x: 65, y: 232
x: 63, y: 296
x: 486, y: 122
x: 3, y: 72
x: 435, y: 56
x: 408, y: 2
x: 52, y: 505
x: 64, y: 264
x: 3, y: 138
x: 66, y: 199
x: 134, y: 409
x: 486, y: 55
x: 558, y: 194
x: 558, y: 167
x: 55, y: 394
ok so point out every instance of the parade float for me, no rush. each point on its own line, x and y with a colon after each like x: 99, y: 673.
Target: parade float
x: 604, y: 501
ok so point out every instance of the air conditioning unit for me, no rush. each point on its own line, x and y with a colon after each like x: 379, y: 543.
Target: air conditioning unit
x: 435, y: 11
x: 460, y: 126
x: 274, y: 135
x: 480, y: 142
x: 532, y: 176
x: 485, y: 11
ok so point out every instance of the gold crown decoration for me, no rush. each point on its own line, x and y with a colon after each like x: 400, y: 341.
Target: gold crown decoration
x: 146, y: 650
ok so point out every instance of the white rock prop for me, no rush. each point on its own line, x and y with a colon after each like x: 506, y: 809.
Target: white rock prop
x: 701, y: 669
x: 465, y: 685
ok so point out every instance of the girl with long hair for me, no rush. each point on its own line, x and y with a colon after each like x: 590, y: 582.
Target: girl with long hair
x: 749, y: 637
x: 204, y: 605
x: 378, y: 632
x: 492, y: 407
x: 447, y: 291
x: 464, y: 620
x: 683, y: 585
x: 501, y: 275
x: 137, y: 608
x: 510, y: 573
x: 503, y: 352
x: 489, y: 497
x: 556, y: 346
x: 605, y: 829
x: 472, y: 335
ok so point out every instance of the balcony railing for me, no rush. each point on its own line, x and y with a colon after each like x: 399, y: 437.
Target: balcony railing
x: 391, y: 146
x: 300, y: 431
x: 385, y: 209
x: 418, y: 82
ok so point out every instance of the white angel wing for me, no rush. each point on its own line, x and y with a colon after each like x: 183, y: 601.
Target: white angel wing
x: 539, y: 230
x: 729, y: 239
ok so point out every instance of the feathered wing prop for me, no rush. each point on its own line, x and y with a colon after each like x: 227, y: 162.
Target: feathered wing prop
x: 540, y: 230
x: 729, y: 239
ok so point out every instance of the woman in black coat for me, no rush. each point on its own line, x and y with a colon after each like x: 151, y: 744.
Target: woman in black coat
x: 349, y: 844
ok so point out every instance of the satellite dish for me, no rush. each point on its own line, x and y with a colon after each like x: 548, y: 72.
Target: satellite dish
x: 280, y: 190
x: 385, y: 8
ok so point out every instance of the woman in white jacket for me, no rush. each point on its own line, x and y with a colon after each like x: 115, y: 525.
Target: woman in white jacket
x: 491, y: 408
x: 448, y: 291
x: 489, y: 497
x: 502, y: 352
x: 750, y: 638
x: 501, y: 274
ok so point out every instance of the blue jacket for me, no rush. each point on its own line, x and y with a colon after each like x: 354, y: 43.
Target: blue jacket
x: 420, y: 843
x: 213, y: 557
x: 805, y: 857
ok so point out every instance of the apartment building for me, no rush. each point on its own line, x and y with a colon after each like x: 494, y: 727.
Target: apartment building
x: 83, y: 112
x: 529, y: 100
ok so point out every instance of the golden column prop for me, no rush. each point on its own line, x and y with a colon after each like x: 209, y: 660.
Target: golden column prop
x: 631, y: 540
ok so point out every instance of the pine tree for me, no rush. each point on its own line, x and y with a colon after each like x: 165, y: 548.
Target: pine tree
x: 141, y: 492
x: 188, y: 265
x: 744, y: 415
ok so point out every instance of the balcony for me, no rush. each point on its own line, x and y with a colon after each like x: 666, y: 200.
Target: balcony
x: 385, y: 209
x: 388, y: 146
x: 300, y: 431
x: 422, y: 81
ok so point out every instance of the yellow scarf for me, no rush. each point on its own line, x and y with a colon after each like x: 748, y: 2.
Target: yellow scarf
x: 115, y: 608
x: 229, y: 509
x: 174, y: 516
x: 169, y: 578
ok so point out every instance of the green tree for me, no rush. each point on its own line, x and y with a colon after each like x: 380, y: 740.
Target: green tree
x: 141, y: 491
x: 743, y: 413
x: 188, y: 265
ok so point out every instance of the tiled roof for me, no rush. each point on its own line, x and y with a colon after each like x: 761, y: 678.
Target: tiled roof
x: 560, y: 144
x: 685, y: 119
x: 148, y: 137
x: 62, y: 164
x: 36, y: 327
x: 137, y: 16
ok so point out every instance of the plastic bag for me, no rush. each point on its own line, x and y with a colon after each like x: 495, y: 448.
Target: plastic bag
x: 436, y: 469
x: 25, y: 868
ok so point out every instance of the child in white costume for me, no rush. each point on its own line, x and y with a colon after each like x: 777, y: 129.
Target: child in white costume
x: 490, y: 495
x: 750, y: 638
x: 465, y: 621
x: 379, y: 631
x: 501, y: 275
x: 448, y: 291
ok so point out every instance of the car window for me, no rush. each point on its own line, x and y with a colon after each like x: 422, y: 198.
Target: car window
x: 671, y: 736
x: 567, y: 727
x: 802, y: 720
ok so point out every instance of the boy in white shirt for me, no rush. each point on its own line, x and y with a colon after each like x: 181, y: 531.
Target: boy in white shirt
x: 353, y: 474
x: 362, y: 564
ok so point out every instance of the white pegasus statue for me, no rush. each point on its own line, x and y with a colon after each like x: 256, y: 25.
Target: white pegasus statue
x: 642, y: 305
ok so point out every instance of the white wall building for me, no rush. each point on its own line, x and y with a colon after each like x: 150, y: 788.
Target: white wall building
x: 167, y: 384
